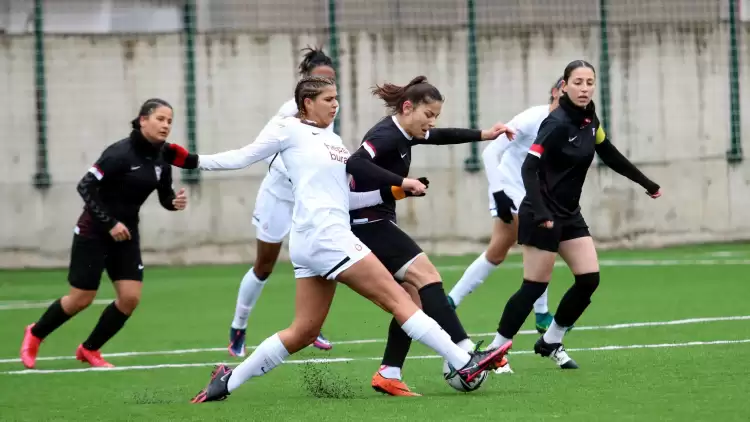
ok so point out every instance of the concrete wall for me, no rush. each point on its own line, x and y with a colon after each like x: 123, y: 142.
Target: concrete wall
x: 670, y: 110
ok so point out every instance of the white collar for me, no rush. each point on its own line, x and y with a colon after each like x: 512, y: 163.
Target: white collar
x: 395, y: 120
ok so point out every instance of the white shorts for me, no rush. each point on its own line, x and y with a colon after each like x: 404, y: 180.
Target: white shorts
x: 325, y: 252
x: 272, y: 215
x: 515, y: 194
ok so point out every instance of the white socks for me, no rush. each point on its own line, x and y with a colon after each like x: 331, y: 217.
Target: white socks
x: 425, y: 330
x: 554, y: 333
x: 391, y: 372
x: 250, y: 290
x: 498, y: 341
x: 475, y: 275
x: 265, y: 357
x: 540, y: 306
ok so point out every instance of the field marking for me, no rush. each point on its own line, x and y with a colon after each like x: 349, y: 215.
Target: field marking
x: 623, y: 263
x: 8, y: 305
x: 367, y: 341
x: 339, y: 360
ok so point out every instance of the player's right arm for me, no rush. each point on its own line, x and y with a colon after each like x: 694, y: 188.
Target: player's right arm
x: 551, y: 133
x: 361, y: 165
x: 108, y: 165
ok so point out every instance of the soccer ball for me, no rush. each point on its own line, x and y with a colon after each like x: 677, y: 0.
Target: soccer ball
x: 458, y: 383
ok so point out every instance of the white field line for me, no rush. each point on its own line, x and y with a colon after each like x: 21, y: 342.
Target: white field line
x: 338, y: 360
x: 367, y: 341
x: 40, y: 304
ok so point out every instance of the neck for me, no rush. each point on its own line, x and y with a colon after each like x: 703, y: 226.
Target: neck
x: 577, y: 113
x: 143, y: 143
x: 402, y: 122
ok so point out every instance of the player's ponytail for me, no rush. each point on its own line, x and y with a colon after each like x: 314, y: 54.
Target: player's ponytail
x: 417, y: 91
x: 313, y: 58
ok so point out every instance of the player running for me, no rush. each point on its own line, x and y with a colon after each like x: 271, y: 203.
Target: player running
x: 385, y: 158
x: 322, y: 247
x: 106, y: 235
x: 272, y: 218
x: 550, y: 220
x: 502, y: 163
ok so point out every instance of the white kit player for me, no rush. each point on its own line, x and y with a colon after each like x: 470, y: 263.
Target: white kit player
x: 322, y: 247
x: 272, y: 218
x: 502, y: 161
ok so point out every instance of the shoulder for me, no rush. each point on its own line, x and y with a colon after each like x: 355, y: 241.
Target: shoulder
x: 531, y: 117
x: 385, y: 128
x: 288, y: 109
x: 118, y: 150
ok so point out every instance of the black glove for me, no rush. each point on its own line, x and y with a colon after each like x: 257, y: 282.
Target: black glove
x: 178, y: 156
x: 504, y: 206
x: 394, y: 193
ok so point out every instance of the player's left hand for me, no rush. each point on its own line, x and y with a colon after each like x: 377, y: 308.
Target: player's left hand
x: 497, y: 130
x: 654, y: 195
x: 180, y: 200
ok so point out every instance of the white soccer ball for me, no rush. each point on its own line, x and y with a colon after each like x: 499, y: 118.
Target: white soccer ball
x: 458, y: 383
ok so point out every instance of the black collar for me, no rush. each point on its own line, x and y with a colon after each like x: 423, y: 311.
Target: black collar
x: 579, y: 115
x: 144, y: 146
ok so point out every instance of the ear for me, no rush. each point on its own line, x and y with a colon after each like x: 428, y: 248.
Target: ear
x: 407, y: 107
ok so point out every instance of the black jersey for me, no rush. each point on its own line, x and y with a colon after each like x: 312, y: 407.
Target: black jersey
x: 384, y: 159
x: 117, y: 185
x: 555, y: 169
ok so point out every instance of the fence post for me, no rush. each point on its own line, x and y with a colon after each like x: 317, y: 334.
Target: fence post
x: 734, y: 154
x: 190, y: 176
x: 604, y: 80
x: 333, y: 47
x: 471, y: 164
x: 42, y: 177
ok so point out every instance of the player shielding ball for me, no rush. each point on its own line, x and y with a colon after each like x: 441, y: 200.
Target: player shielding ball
x: 107, y: 236
x: 503, y: 159
x: 322, y: 247
x: 550, y: 221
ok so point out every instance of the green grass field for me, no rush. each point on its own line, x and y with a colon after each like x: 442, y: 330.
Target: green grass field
x: 690, y: 364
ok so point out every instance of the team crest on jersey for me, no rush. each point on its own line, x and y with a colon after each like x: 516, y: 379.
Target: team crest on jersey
x: 157, y: 169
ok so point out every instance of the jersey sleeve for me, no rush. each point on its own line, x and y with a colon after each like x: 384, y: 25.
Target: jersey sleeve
x: 551, y: 133
x: 613, y: 159
x: 108, y: 165
x: 491, y: 157
x: 449, y: 136
x: 271, y: 140
x: 165, y: 189
x: 359, y: 200
x: 361, y: 164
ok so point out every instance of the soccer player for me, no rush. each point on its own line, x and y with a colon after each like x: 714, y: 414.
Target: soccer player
x: 502, y: 163
x: 273, y: 218
x: 384, y: 158
x: 322, y: 247
x: 106, y: 235
x: 550, y: 219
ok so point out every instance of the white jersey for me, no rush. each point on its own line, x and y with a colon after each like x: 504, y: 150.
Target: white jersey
x: 316, y: 164
x: 277, y: 181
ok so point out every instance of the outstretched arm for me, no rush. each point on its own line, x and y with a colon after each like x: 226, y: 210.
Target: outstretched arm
x: 612, y: 157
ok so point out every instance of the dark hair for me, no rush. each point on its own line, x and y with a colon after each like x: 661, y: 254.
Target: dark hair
x: 557, y: 85
x: 146, y: 109
x: 417, y: 91
x: 309, y: 87
x: 575, y: 65
x: 313, y: 58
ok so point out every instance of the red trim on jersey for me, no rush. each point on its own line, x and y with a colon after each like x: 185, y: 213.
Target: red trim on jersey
x: 370, y: 148
x: 537, y: 148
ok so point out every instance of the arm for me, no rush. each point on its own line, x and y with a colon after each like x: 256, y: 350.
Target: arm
x: 550, y: 133
x: 361, y: 164
x: 449, y: 137
x: 359, y: 200
x: 165, y: 189
x: 491, y: 157
x: 619, y: 163
x: 109, y: 166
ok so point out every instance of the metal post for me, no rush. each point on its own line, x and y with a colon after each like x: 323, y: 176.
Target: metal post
x: 42, y: 178
x: 471, y: 164
x: 190, y: 176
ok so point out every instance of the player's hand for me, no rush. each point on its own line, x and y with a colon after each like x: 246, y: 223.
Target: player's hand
x: 504, y: 206
x: 413, y: 186
x: 180, y: 200
x: 497, y: 130
x: 119, y: 232
x: 397, y: 192
x: 547, y: 224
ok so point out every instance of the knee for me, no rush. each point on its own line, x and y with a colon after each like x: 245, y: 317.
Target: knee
x: 77, y: 301
x: 587, y: 282
x: 127, y: 303
x: 422, y: 275
x: 496, y: 254
x: 302, y: 335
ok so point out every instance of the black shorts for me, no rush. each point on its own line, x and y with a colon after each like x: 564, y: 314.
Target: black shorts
x: 530, y: 234
x: 388, y: 243
x: 90, y: 256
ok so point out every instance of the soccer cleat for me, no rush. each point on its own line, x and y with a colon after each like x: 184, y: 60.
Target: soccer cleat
x: 237, y: 342
x: 543, y: 321
x: 391, y: 386
x: 29, y: 348
x: 556, y: 352
x: 503, y: 367
x: 483, y: 360
x: 217, y: 388
x: 92, y: 357
x: 322, y: 343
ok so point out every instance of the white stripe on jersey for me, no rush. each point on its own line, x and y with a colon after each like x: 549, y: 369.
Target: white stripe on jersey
x: 96, y: 172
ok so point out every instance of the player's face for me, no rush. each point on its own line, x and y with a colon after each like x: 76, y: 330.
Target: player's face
x: 423, y: 118
x: 157, y: 126
x: 322, y: 109
x: 580, y: 86
x: 324, y: 71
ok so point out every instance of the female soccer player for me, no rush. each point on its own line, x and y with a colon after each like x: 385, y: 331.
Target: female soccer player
x: 550, y: 219
x: 272, y: 218
x: 384, y: 158
x: 502, y: 163
x: 106, y: 235
x: 322, y: 246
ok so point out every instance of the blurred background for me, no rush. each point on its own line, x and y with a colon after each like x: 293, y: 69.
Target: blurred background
x: 673, y: 94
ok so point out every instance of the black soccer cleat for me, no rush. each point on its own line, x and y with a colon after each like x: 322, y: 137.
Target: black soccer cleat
x: 556, y: 352
x: 216, y: 390
x: 483, y: 360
